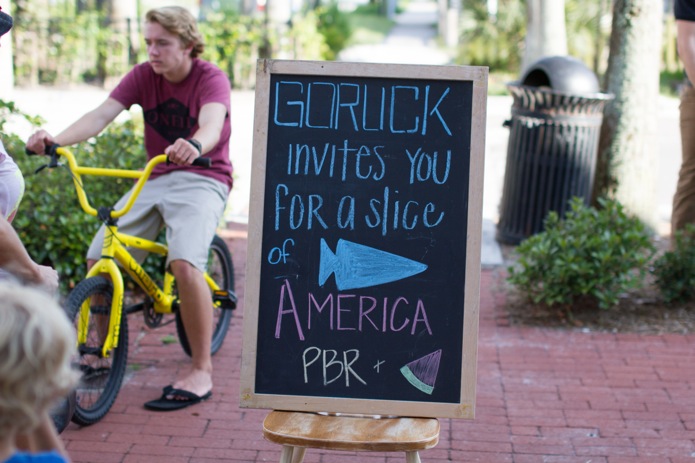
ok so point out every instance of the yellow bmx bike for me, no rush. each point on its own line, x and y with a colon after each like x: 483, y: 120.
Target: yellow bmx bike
x: 96, y: 304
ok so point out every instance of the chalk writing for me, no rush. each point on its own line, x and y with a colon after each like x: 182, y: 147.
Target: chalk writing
x: 346, y: 106
x: 424, y: 166
x: 364, y: 235
x: 387, y: 212
x: 352, y: 312
x: 349, y: 357
x: 341, y: 161
x: 280, y: 254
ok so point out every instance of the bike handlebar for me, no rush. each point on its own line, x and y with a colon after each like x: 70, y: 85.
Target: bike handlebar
x: 51, y: 151
x: 55, y: 151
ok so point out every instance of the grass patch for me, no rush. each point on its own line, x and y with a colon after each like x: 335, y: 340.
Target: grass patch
x: 670, y: 82
x: 134, y: 367
x: 368, y: 27
x: 169, y: 339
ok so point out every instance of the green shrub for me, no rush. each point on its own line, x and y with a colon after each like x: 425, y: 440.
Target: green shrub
x: 50, y: 222
x: 593, y: 254
x: 305, y: 40
x: 674, y: 271
x: 368, y: 26
x: 334, y: 25
x: 232, y: 42
x: 493, y: 43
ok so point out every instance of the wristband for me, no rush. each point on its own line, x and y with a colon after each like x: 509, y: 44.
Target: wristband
x: 196, y: 144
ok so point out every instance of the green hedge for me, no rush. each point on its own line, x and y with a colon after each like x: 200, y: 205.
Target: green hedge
x: 592, y: 254
x: 674, y: 271
x: 50, y: 222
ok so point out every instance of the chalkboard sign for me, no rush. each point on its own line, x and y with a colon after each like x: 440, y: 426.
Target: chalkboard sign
x: 363, y: 264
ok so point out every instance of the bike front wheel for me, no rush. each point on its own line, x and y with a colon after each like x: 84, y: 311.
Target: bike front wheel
x: 101, y: 377
x: 221, y: 269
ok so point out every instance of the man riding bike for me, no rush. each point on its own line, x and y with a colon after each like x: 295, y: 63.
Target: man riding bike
x: 186, y: 107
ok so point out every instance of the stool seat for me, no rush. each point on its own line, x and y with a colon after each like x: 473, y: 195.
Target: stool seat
x: 350, y: 432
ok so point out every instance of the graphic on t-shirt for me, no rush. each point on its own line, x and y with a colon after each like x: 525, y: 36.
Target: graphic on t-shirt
x: 171, y: 120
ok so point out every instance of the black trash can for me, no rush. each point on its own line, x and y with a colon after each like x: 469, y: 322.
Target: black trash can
x: 553, y: 144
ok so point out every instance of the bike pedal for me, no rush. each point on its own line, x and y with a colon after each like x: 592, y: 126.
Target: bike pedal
x: 226, y: 299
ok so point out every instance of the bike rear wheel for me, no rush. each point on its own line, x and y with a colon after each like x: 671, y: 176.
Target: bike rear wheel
x: 221, y: 269
x: 101, y: 377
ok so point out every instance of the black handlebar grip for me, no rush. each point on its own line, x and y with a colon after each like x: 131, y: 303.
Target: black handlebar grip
x: 202, y: 162
x: 50, y: 150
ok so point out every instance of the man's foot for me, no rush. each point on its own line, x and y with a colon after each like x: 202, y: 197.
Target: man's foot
x: 199, y: 382
x: 175, y: 399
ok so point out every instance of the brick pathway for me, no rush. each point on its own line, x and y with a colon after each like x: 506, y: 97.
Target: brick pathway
x: 544, y: 396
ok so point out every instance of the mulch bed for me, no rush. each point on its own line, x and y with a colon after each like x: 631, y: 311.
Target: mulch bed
x: 641, y: 311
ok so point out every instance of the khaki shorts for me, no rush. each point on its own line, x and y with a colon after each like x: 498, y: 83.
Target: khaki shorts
x: 188, y: 205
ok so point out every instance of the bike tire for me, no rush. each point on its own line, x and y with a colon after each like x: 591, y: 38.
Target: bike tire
x: 102, y: 378
x: 221, y: 269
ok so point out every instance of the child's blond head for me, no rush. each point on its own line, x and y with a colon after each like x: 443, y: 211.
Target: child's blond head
x: 36, y: 344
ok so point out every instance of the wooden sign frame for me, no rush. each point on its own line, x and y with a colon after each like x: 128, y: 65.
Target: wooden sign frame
x: 465, y: 407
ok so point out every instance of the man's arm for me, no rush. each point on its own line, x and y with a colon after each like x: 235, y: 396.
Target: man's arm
x: 87, y: 126
x: 210, y: 123
x: 686, y: 45
x: 15, y: 260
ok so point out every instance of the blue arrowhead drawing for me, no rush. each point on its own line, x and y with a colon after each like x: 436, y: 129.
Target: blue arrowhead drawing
x: 359, y: 266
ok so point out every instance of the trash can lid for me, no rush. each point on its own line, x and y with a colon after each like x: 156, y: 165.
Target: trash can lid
x: 561, y: 74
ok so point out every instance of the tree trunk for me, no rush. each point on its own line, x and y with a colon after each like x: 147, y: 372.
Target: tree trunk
x: 125, y: 21
x: 627, y: 146
x: 248, y: 7
x: 546, y: 34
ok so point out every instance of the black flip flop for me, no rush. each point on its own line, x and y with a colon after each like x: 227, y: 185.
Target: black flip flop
x: 175, y: 399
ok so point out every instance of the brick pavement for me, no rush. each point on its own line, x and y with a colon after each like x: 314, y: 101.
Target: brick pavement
x: 544, y: 395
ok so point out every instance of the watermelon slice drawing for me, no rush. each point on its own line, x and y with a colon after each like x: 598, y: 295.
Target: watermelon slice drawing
x: 422, y: 372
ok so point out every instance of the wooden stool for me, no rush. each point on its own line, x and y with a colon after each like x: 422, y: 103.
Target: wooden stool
x: 297, y: 431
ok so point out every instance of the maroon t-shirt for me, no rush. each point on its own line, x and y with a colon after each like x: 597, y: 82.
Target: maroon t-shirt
x: 171, y: 111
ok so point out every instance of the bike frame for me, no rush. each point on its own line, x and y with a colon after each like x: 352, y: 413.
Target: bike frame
x: 114, y: 251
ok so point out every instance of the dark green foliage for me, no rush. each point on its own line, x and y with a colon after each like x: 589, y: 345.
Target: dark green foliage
x: 674, y: 271
x: 50, y: 222
x: 304, y: 40
x: 232, y: 42
x: 592, y: 255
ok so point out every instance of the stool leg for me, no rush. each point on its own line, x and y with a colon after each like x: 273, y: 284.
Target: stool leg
x: 298, y: 455
x: 286, y: 455
x: 412, y: 457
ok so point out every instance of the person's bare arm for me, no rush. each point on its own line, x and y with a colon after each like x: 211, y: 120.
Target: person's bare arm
x: 686, y: 45
x: 15, y: 259
x: 43, y: 439
x: 210, y: 123
x: 87, y: 126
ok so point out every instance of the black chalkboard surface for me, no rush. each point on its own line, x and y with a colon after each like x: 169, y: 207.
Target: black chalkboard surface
x: 364, y: 239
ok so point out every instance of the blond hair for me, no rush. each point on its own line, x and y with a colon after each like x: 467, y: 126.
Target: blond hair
x: 179, y: 21
x: 36, y: 344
